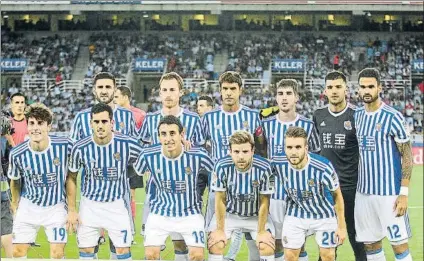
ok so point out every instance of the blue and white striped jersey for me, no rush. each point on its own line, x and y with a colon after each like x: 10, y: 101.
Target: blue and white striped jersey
x: 274, y: 131
x: 175, y: 180
x: 243, y: 189
x: 219, y: 125
x: 104, y: 176
x: 190, y: 121
x: 43, y: 173
x: 122, y: 117
x: 380, y: 167
x: 309, y: 189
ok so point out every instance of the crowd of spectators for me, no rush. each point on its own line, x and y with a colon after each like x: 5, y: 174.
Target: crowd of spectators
x: 48, y: 56
x: 393, y: 58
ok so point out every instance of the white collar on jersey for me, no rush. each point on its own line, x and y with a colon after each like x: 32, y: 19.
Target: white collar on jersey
x: 174, y: 159
x: 105, y: 145
x: 337, y: 114
x: 40, y: 152
x: 376, y: 111
x: 180, y: 112
x: 288, y: 122
x: 231, y: 113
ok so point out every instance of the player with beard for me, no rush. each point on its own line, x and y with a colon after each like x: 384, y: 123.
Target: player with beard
x: 314, y: 200
x: 243, y: 183
x: 218, y: 125
x: 385, y: 169
x: 271, y: 141
x: 104, y: 87
x: 171, y: 87
x: 336, y: 128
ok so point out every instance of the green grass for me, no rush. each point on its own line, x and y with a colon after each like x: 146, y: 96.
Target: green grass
x: 345, y: 253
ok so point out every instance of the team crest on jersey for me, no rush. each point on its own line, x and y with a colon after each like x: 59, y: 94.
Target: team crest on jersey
x: 245, y: 124
x: 378, y: 127
x: 121, y: 125
x: 311, y: 182
x: 255, y: 183
x: 188, y: 171
x: 117, y: 156
x: 56, y: 161
x: 348, y: 125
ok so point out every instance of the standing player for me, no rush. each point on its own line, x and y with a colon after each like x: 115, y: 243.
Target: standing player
x: 243, y: 184
x: 123, y: 98
x: 385, y: 168
x: 336, y: 128
x: 176, y: 207
x: 274, y: 128
x: 104, y: 157
x: 312, y: 188
x: 170, y: 91
x: 37, y: 168
x: 104, y: 87
x: 19, y: 123
x: 204, y: 105
x: 218, y: 125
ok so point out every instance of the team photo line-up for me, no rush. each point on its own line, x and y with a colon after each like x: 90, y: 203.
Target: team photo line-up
x: 273, y: 176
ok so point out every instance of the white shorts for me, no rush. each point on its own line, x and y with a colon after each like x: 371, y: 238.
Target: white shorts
x: 112, y: 216
x: 210, y: 210
x: 191, y: 229
x: 30, y: 217
x: 296, y: 229
x: 375, y: 220
x: 146, y: 212
x: 246, y: 224
x: 277, y: 211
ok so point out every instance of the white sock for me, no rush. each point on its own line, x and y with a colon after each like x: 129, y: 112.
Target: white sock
x: 181, y: 256
x: 22, y: 257
x: 215, y: 257
x: 86, y: 256
x: 267, y: 258
x: 405, y: 256
x: 253, y: 250
x: 303, y: 256
x: 113, y: 256
x: 236, y: 241
x: 126, y: 256
x: 376, y: 255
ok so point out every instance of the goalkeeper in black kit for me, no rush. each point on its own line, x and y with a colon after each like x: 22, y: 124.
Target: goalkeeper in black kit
x: 336, y: 128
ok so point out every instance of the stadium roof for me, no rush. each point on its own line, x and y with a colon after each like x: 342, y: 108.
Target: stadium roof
x: 215, y: 6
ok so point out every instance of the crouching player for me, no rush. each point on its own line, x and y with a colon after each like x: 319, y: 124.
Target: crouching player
x: 37, y: 169
x: 104, y: 157
x: 243, y: 183
x: 176, y: 207
x: 312, y: 187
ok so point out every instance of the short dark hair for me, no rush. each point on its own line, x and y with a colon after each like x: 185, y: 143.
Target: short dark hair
x: 101, y: 107
x: 125, y: 91
x: 336, y: 75
x: 104, y: 75
x: 172, y: 76
x: 206, y: 98
x: 40, y: 112
x: 370, y: 73
x: 296, y: 132
x: 230, y: 77
x: 169, y: 120
x: 288, y: 83
x: 18, y: 94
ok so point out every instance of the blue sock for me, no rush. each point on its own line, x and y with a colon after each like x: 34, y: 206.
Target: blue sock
x: 126, y: 256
